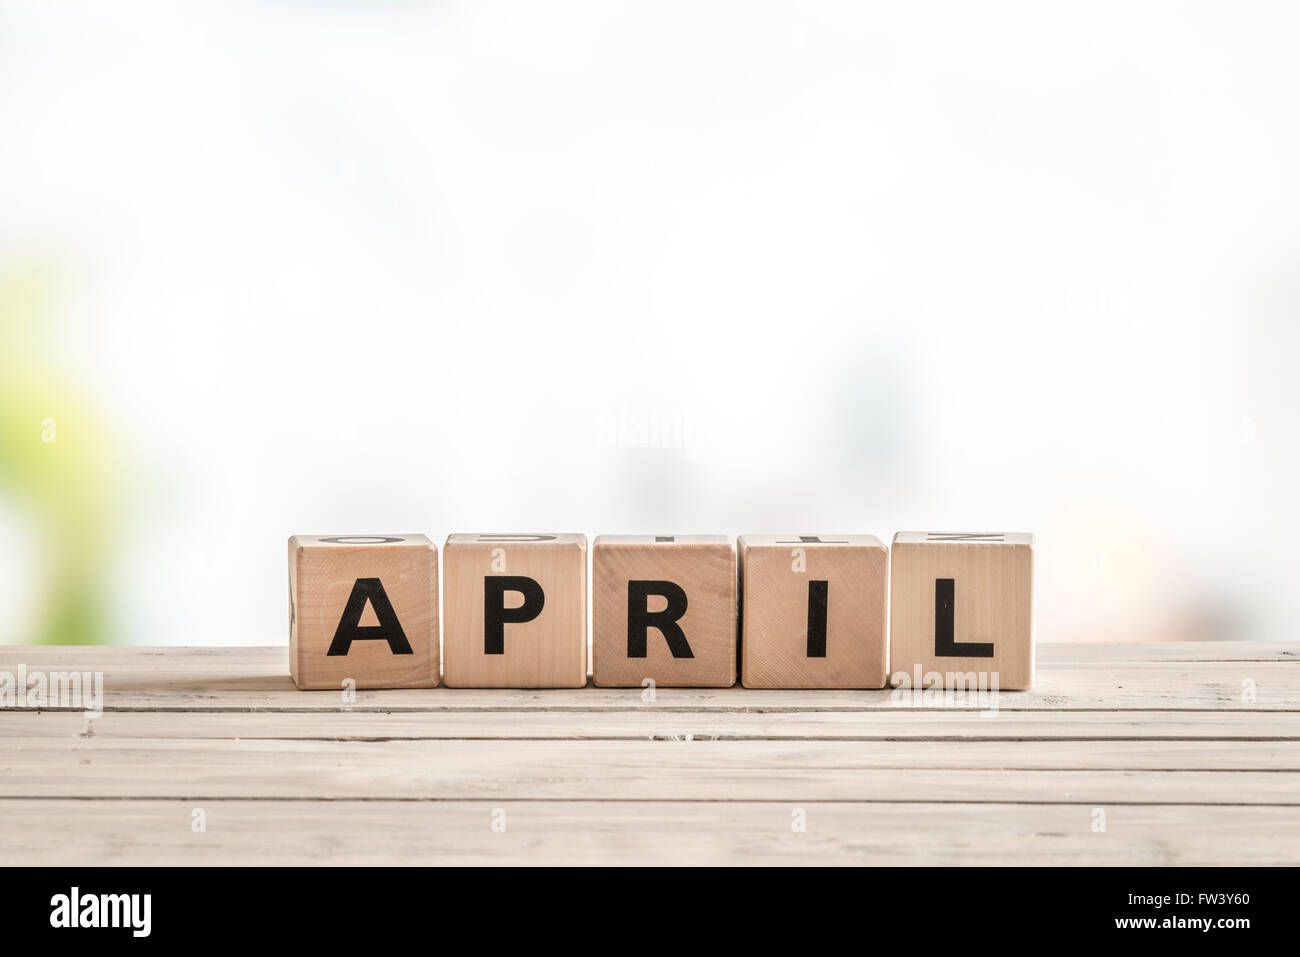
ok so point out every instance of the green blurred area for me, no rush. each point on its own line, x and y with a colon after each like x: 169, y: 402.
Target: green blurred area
x: 58, y: 468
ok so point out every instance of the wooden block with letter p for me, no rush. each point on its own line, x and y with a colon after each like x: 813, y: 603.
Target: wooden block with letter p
x: 664, y: 609
x: 962, y: 609
x: 363, y: 608
x: 515, y: 611
x: 813, y: 611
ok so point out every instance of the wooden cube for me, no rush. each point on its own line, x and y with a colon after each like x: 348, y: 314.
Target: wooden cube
x: 515, y: 611
x: 962, y: 607
x: 664, y: 608
x: 813, y: 611
x: 365, y: 608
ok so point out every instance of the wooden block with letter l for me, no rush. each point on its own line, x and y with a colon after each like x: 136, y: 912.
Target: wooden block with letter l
x: 962, y: 608
x: 813, y: 611
x: 664, y: 609
x: 363, y: 608
x: 515, y: 611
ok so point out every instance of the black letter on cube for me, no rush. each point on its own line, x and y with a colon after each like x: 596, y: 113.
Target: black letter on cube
x: 817, y: 597
x: 640, y: 619
x: 495, y: 613
x: 945, y: 645
x: 350, y: 628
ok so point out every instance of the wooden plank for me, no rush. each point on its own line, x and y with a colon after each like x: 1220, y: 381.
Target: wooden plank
x: 201, y: 679
x: 1056, y: 654
x: 67, y: 832
x: 1102, y: 772
x: 1161, y: 737
x: 668, y: 756
x: 648, y: 724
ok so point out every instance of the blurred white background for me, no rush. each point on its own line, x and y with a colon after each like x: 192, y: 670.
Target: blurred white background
x: 674, y: 267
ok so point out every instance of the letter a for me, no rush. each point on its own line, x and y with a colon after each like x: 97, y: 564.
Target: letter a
x: 350, y: 628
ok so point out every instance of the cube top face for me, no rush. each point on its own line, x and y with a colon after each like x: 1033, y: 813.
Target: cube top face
x: 964, y: 538
x: 664, y: 540
x: 814, y: 611
x: 361, y: 541
x: 962, y: 605
x: 518, y: 539
x: 363, y: 608
x: 805, y: 540
x: 515, y: 610
x: 664, y: 611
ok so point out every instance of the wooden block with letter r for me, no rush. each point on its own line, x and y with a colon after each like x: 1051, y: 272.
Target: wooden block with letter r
x: 962, y: 609
x: 813, y: 611
x: 515, y: 611
x: 664, y: 609
x: 363, y: 608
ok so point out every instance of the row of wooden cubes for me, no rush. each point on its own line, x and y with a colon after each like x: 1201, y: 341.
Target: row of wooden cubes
x: 794, y: 611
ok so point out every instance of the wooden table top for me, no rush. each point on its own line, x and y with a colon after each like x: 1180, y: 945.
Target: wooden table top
x: 1183, y: 753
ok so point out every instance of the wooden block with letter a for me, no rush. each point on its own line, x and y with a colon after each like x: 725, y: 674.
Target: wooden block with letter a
x: 363, y: 608
x: 962, y: 608
x: 664, y: 609
x: 813, y: 611
x: 515, y: 611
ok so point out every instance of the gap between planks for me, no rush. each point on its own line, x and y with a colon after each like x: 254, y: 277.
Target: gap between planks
x: 651, y: 724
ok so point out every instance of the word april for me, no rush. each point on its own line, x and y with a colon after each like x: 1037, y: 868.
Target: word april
x: 936, y: 611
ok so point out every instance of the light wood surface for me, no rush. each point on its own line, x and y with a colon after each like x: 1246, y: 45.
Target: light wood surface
x: 777, y: 576
x: 989, y: 585
x: 703, y: 568
x: 327, y: 574
x: 1189, y: 752
x: 546, y: 650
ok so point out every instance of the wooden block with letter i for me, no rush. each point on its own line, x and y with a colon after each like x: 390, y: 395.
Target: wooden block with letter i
x: 813, y: 611
x: 962, y: 610
x: 664, y: 609
x: 363, y: 608
x: 515, y: 611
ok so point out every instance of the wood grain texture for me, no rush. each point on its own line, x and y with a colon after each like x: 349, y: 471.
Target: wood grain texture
x: 990, y: 606
x: 323, y: 573
x: 777, y: 577
x: 254, y: 679
x: 269, y: 832
x: 648, y: 723
x: 704, y: 568
x: 548, y: 651
x: 1187, y: 767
